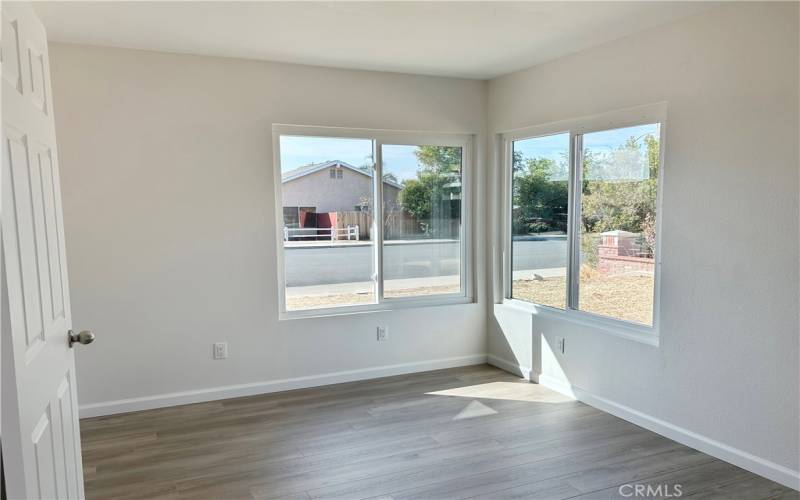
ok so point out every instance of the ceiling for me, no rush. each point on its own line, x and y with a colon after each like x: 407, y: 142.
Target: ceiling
x: 460, y: 39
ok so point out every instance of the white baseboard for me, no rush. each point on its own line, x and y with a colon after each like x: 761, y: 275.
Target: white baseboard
x: 234, y: 391
x: 735, y: 456
x: 509, y: 366
x: 556, y: 384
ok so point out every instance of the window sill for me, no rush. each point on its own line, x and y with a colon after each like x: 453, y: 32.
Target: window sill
x: 388, y: 305
x: 629, y: 331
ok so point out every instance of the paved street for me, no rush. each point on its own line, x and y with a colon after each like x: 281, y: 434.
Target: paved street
x: 350, y: 262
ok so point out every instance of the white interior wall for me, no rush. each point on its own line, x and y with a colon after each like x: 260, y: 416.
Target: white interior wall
x: 727, y: 365
x: 166, y: 166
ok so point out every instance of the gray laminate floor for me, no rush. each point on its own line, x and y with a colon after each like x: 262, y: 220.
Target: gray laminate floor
x: 473, y: 432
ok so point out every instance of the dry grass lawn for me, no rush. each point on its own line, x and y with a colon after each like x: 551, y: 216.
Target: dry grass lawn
x: 628, y: 297
x: 625, y: 297
x: 349, y: 299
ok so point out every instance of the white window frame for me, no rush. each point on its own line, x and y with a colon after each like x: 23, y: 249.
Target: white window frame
x: 379, y: 138
x: 577, y: 128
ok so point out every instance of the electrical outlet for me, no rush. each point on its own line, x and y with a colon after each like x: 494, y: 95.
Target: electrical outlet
x: 561, y: 345
x: 221, y: 350
x: 383, y: 333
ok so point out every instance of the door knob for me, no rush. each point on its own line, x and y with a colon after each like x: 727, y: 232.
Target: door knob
x: 84, y: 337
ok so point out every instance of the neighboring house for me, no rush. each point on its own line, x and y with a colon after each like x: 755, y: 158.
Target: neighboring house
x: 332, y: 186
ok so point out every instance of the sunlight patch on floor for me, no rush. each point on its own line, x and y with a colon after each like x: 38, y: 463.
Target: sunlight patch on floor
x: 474, y: 409
x: 511, y: 391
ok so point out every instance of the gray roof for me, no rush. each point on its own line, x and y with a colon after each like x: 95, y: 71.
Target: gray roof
x: 298, y: 172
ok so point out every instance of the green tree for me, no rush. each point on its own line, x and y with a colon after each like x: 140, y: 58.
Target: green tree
x: 434, y: 196
x: 442, y: 159
x: 620, y: 188
x: 540, y: 194
x: 416, y: 197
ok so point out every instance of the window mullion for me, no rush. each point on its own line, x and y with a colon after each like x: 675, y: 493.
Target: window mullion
x: 377, y: 217
x: 573, y: 228
x: 465, y: 229
x: 508, y: 209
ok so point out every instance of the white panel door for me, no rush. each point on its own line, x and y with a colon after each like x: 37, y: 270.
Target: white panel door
x: 40, y: 434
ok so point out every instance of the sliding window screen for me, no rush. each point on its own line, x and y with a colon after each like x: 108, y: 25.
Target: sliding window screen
x: 422, y: 193
x: 619, y: 194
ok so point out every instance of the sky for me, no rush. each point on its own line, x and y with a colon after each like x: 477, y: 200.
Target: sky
x: 297, y: 151
x: 400, y: 161
x: 556, y: 147
x: 611, y: 139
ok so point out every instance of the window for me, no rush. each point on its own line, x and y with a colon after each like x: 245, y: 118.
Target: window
x: 421, y: 220
x: 326, y: 261
x: 292, y: 215
x: 350, y: 252
x: 540, y: 206
x: 584, y: 239
x: 619, y: 189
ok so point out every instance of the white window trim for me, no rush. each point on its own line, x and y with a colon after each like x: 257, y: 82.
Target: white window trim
x: 640, y: 115
x: 382, y: 137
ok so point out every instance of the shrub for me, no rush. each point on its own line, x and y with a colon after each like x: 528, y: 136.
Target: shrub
x: 539, y: 227
x: 589, y: 244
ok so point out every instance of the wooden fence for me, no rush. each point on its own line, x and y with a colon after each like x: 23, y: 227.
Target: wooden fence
x: 398, y: 225
x: 360, y: 219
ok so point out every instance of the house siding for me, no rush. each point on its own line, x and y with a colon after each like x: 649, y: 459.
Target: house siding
x: 319, y: 190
